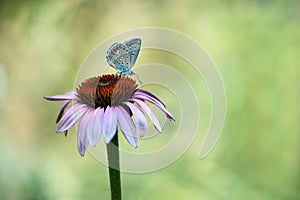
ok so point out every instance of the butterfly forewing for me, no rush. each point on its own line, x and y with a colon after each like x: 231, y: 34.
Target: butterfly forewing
x: 118, y: 57
x: 134, y: 46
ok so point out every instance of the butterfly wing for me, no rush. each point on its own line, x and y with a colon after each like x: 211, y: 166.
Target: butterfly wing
x: 118, y: 57
x: 134, y: 46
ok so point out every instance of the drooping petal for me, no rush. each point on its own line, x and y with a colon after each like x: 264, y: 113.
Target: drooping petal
x: 144, y: 92
x: 149, y: 112
x: 99, y: 119
x: 66, y: 96
x: 72, y: 115
x: 153, y: 99
x: 62, y: 110
x: 82, y: 136
x: 126, y: 125
x: 109, y: 124
x: 139, y: 118
x: 93, y: 129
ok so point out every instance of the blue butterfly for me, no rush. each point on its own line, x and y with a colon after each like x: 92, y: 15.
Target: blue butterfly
x: 122, y: 55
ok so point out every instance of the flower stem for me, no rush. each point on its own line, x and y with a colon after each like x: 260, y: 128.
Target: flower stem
x: 114, y: 168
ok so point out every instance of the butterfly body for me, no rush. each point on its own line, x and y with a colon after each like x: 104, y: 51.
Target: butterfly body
x: 122, y: 55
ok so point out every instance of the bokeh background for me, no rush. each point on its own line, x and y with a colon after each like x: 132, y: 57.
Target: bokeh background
x: 255, y: 45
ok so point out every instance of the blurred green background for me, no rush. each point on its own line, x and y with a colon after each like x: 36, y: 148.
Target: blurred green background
x: 255, y: 45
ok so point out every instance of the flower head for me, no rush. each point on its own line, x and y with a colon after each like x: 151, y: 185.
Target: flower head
x: 103, y: 103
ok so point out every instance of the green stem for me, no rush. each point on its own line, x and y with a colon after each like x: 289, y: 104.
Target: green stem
x: 114, y: 168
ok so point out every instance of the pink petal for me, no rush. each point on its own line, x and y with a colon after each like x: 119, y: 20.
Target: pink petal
x: 67, y: 96
x: 109, y: 124
x: 155, y: 101
x: 72, y: 115
x: 126, y: 125
x: 139, y: 118
x: 82, y: 136
x: 149, y: 112
x: 62, y: 110
x: 99, y: 119
x: 93, y: 128
x: 144, y: 92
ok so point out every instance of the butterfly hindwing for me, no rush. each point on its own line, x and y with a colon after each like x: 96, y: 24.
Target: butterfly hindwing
x: 134, y: 46
x: 118, y: 57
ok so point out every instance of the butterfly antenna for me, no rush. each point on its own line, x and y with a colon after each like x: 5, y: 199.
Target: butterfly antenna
x: 139, y: 80
x: 136, y: 77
